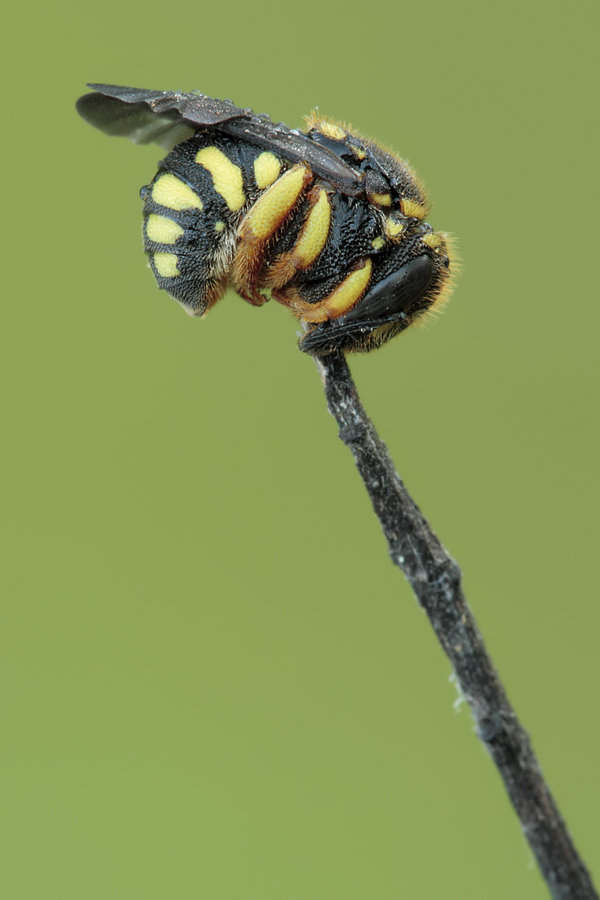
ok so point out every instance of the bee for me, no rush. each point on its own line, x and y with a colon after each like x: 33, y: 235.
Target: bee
x: 326, y: 222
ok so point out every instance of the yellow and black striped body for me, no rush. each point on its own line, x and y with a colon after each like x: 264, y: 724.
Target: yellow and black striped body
x: 325, y: 222
x: 193, y: 209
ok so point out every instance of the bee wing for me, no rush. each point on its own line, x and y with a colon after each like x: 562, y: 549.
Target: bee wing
x: 161, y: 117
x: 168, y: 117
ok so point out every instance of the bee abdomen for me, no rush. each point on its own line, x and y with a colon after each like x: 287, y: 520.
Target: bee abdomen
x: 192, y: 210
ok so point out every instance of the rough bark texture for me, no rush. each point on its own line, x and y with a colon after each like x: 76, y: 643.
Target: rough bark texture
x: 436, y: 581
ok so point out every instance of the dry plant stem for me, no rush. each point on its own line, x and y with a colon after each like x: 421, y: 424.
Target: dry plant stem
x: 436, y: 581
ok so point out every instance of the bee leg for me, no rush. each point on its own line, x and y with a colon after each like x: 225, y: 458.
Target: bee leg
x: 386, y: 310
x: 309, y: 243
x: 256, y: 297
x: 259, y: 225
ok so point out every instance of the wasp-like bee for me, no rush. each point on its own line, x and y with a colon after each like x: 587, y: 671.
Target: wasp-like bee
x: 325, y: 221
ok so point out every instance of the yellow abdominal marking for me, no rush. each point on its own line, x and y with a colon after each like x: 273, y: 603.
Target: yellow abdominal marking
x: 315, y: 232
x: 378, y: 243
x: 219, y: 226
x: 343, y: 298
x: 411, y: 208
x: 432, y: 240
x: 269, y: 210
x: 227, y: 178
x: 173, y: 193
x: 381, y: 199
x: 162, y: 230
x: 166, y: 265
x: 266, y: 169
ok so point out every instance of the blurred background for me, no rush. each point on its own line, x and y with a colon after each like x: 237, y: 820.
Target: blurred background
x: 216, y: 685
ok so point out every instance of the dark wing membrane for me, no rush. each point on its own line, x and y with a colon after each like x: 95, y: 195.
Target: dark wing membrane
x: 167, y: 118
x: 144, y: 116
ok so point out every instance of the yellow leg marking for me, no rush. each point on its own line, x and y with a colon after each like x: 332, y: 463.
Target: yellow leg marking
x: 163, y: 230
x: 342, y: 299
x: 266, y: 169
x: 412, y: 208
x: 315, y: 232
x: 349, y: 291
x: 174, y: 193
x: 311, y: 240
x: 270, y: 210
x: 259, y: 224
x: 227, y: 178
x: 166, y: 265
x: 432, y: 240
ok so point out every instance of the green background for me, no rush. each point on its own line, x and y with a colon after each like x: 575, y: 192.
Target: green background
x: 216, y: 685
